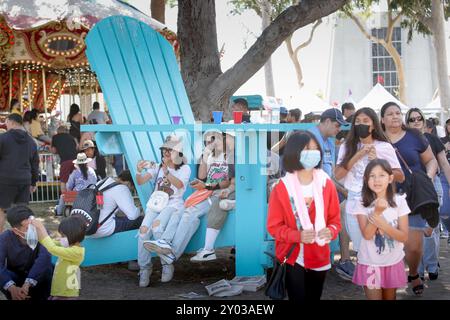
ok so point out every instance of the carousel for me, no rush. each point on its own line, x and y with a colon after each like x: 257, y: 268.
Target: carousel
x: 42, y: 51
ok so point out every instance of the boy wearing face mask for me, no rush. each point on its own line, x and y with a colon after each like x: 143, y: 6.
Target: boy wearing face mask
x: 24, y: 273
x: 365, y: 142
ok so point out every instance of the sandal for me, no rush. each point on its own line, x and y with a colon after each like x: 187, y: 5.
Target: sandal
x: 418, y: 290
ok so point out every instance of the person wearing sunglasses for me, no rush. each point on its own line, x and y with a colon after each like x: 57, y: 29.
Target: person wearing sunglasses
x: 415, y: 149
x: 430, y: 260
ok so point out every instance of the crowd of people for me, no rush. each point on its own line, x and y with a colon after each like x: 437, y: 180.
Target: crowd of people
x: 346, y: 177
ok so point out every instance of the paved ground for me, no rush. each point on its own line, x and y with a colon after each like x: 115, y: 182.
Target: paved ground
x: 116, y: 282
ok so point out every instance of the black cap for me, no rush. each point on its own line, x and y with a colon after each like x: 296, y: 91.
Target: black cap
x: 17, y: 214
x: 335, y: 115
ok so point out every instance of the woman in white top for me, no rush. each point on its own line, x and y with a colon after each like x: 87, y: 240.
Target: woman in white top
x: 172, y: 177
x: 365, y: 142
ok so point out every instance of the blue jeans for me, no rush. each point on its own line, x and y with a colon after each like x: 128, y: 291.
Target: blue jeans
x: 168, y: 220
x: 125, y: 224
x: 190, y: 220
x: 430, y: 258
x: 351, y: 221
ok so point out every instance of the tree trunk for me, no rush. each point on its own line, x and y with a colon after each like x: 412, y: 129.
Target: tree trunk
x: 295, y: 61
x: 207, y: 87
x: 438, y: 30
x: 268, y: 71
x: 400, y: 71
x: 199, y: 54
x: 158, y: 10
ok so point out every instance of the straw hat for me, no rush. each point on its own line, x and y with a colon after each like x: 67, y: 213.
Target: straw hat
x: 82, y: 159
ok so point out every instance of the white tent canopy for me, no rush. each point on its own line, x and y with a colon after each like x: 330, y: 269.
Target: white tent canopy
x: 377, y: 97
x: 433, y: 107
x: 307, y: 102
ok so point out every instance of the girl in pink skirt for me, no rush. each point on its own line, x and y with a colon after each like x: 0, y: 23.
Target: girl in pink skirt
x: 383, y: 220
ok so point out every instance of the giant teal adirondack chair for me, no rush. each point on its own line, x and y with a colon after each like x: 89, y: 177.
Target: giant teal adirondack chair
x: 142, y: 85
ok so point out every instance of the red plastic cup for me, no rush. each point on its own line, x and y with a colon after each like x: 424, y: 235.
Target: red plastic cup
x: 237, y: 116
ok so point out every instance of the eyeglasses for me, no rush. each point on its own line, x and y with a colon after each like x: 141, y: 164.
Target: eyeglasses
x: 416, y: 119
x: 167, y: 150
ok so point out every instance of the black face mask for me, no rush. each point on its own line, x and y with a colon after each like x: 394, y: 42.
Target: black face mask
x: 362, y: 131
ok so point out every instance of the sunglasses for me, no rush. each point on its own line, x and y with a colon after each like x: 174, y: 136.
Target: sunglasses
x: 416, y: 119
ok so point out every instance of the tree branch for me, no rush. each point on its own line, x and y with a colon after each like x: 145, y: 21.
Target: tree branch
x: 363, y: 30
x: 291, y: 19
x: 308, y: 42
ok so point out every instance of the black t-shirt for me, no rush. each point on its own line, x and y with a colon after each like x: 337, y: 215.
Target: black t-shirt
x: 444, y: 141
x: 65, y: 146
x: 435, y: 143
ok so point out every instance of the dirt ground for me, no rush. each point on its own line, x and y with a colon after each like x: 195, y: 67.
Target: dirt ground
x: 116, y: 282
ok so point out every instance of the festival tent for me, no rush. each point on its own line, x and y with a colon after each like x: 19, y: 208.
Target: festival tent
x: 377, y: 97
x: 307, y: 102
x: 433, y: 107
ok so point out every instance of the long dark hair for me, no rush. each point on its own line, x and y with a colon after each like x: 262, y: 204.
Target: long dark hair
x: 296, y: 143
x: 351, y: 144
x: 74, y: 109
x: 368, y: 196
x: 84, y: 170
x: 383, y: 111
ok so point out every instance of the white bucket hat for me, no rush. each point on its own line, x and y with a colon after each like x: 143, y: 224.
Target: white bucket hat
x: 82, y: 159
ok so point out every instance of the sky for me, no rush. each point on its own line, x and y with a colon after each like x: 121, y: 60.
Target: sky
x: 238, y: 33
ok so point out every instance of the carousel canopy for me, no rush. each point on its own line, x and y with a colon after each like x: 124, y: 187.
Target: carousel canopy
x: 42, y: 49
x: 26, y: 14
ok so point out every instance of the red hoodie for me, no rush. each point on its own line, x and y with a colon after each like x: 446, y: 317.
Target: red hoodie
x: 281, y: 224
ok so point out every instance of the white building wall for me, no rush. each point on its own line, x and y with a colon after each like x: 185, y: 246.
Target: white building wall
x: 352, y: 64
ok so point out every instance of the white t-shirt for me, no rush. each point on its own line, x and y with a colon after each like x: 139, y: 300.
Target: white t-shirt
x: 308, y: 193
x: 353, y: 181
x: 119, y: 196
x: 382, y: 251
x: 176, y: 195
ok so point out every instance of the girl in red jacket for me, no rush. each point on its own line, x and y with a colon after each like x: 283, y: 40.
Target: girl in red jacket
x: 304, y: 213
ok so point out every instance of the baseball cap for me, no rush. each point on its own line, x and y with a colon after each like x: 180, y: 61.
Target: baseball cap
x: 335, y: 115
x: 283, y: 110
x: 87, y: 144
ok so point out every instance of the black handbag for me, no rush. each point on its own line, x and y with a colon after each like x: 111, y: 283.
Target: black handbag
x: 276, y: 287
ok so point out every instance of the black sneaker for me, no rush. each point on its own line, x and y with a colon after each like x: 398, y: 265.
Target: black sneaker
x: 433, y: 275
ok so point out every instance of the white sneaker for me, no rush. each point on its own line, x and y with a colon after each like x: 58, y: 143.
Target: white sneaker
x: 167, y: 258
x: 227, y: 205
x: 158, y: 246
x: 167, y: 272
x: 144, y: 277
x: 204, y: 255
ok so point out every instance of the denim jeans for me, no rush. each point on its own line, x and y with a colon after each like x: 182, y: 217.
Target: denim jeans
x: 351, y: 221
x: 168, y: 223
x: 190, y: 220
x: 430, y: 258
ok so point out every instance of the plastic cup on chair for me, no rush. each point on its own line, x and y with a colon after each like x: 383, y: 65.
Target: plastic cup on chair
x: 237, y: 116
x: 176, y: 119
x: 217, y: 116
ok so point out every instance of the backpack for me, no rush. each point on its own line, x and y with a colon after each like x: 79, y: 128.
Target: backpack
x: 88, y: 203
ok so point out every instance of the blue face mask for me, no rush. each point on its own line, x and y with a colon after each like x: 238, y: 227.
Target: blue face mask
x: 309, y: 159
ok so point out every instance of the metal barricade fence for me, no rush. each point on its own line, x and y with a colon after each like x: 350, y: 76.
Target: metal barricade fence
x: 48, y: 188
